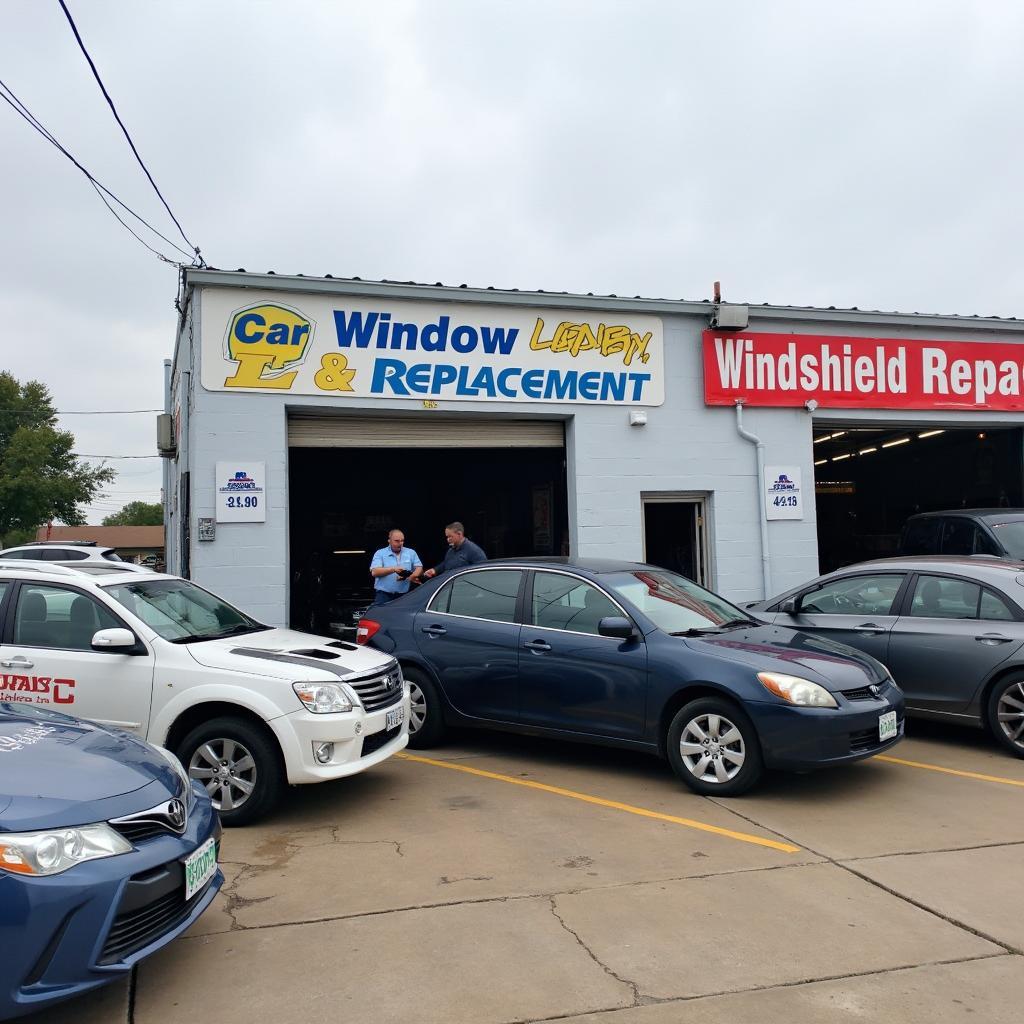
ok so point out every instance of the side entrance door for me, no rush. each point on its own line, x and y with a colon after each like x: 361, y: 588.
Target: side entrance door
x: 46, y: 658
x: 570, y: 677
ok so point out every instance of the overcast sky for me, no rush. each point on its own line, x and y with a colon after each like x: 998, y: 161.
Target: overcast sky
x: 863, y: 154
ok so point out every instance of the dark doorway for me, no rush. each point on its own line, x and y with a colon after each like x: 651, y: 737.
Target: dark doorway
x: 674, y: 536
x: 870, y: 479
x: 343, y: 501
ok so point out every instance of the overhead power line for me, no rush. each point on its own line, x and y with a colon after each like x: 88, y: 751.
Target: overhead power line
x: 117, y: 117
x: 81, y: 455
x: 8, y: 96
x: 84, y: 412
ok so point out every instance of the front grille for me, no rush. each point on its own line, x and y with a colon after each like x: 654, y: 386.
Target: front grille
x: 135, y: 930
x: 137, y: 831
x: 378, y: 739
x: 380, y: 690
x: 861, y: 693
x: 867, y: 739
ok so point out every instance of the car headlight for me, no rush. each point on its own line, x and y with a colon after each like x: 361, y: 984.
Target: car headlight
x: 798, y: 691
x: 56, y: 850
x: 323, y: 698
x: 179, y: 769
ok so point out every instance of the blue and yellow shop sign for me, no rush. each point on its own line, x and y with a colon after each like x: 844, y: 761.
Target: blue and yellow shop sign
x: 409, y: 350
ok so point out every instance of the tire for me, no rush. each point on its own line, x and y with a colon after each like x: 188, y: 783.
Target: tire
x: 426, y: 713
x: 1004, y: 714
x: 251, y: 755
x: 738, y: 764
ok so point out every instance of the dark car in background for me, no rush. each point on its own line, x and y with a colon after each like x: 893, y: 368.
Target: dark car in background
x: 634, y: 656
x: 968, y: 531
x: 107, y: 852
x: 950, y: 629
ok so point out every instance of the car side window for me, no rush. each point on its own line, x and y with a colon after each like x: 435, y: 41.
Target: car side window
x: 958, y: 537
x: 55, y: 617
x: 854, y: 595
x: 486, y: 594
x: 983, y: 544
x: 66, y: 554
x: 938, y: 597
x: 992, y: 607
x: 921, y: 537
x: 565, y: 602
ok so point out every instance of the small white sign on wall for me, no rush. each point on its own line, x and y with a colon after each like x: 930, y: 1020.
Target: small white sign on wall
x: 241, y: 492
x: 783, y: 496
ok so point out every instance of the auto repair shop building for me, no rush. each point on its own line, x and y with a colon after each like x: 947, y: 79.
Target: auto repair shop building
x: 744, y: 447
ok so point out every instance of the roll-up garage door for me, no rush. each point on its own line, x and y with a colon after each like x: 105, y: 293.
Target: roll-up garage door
x: 425, y: 432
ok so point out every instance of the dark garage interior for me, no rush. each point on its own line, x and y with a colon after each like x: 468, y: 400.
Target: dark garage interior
x: 343, y: 501
x: 869, y: 480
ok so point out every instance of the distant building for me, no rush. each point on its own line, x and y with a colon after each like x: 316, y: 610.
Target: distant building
x: 132, y: 543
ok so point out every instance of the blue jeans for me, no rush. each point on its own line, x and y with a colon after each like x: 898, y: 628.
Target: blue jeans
x: 384, y: 597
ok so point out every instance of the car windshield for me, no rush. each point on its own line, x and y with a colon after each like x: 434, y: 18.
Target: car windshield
x: 674, y: 603
x: 181, y: 612
x: 1011, y: 536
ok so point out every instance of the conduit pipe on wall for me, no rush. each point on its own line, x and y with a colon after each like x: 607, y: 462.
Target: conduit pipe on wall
x: 766, y: 568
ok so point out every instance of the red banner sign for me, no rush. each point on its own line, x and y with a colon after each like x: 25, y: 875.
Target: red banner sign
x: 873, y: 373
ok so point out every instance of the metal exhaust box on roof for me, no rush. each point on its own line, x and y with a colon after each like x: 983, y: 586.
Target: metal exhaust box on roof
x: 730, y: 317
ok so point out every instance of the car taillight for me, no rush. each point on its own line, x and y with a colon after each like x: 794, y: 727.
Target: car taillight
x: 366, y: 630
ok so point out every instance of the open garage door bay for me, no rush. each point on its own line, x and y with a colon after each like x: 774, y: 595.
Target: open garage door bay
x: 353, y: 479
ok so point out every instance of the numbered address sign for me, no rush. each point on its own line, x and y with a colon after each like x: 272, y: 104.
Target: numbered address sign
x: 783, y: 497
x: 241, y: 492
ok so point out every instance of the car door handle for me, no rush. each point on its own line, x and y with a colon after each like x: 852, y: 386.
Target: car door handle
x: 537, y: 646
x: 870, y: 628
x: 18, y: 662
x: 434, y: 630
x: 993, y: 639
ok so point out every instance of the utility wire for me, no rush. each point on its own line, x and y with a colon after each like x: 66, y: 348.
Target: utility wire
x: 117, y: 117
x: 8, y: 96
x: 80, y: 455
x: 85, y: 412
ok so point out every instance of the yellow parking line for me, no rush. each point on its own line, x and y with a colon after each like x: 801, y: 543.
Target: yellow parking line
x: 950, y: 771
x: 701, y: 826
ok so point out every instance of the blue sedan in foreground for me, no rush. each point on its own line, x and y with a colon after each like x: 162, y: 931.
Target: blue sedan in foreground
x: 634, y: 656
x: 107, y: 852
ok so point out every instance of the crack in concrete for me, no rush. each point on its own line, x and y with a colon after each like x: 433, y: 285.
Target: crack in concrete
x: 962, y: 925
x: 853, y: 975
x: 638, y: 998
x: 924, y: 853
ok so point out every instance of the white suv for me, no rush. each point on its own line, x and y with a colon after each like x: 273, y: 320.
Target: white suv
x: 246, y: 707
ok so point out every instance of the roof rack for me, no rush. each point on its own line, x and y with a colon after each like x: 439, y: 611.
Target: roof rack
x: 34, y: 565
x: 59, y: 543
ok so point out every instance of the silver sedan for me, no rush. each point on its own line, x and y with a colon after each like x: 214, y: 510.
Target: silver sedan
x: 950, y: 629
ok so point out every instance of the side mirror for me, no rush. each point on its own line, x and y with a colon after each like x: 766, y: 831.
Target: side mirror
x: 114, y: 641
x: 616, y: 626
x: 791, y: 606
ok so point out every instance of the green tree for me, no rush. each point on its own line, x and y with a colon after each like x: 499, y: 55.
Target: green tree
x: 40, y: 477
x: 137, y: 513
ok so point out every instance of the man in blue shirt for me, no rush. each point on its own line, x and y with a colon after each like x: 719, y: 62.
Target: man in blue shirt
x: 461, y: 551
x: 392, y: 568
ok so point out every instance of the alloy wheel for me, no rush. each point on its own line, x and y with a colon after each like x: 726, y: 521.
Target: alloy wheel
x: 417, y: 708
x: 227, y: 770
x: 712, y: 748
x: 1010, y: 713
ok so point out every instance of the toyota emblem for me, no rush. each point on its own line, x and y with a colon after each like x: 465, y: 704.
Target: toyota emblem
x: 176, y: 814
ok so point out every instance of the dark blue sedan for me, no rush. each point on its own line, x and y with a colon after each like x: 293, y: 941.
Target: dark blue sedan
x: 107, y: 852
x: 634, y: 656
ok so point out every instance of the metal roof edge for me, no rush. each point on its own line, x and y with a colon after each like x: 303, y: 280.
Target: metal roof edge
x: 573, y: 300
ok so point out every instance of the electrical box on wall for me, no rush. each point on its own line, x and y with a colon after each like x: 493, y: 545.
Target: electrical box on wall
x: 165, y: 435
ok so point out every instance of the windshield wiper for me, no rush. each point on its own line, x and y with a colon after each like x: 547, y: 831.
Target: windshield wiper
x: 736, y: 623
x: 237, y: 630
x: 696, y: 631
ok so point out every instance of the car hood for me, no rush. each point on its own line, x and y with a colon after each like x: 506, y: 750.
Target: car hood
x: 58, y: 771
x: 287, y: 654
x: 776, y: 649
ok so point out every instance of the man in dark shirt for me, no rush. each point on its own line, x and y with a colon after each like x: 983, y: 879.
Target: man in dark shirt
x: 461, y: 551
